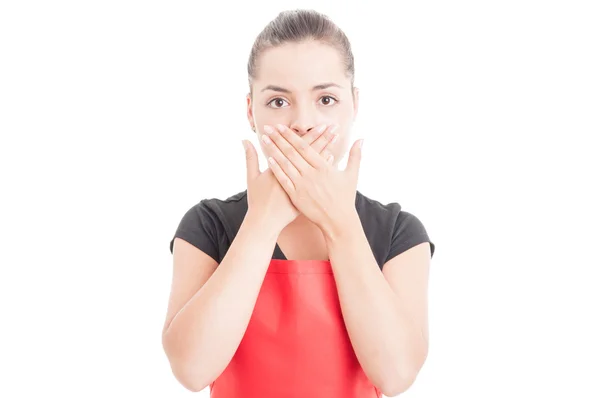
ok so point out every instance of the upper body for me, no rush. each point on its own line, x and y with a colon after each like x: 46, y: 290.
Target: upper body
x: 302, y: 105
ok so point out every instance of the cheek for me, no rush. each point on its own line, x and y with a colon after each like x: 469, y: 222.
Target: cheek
x: 342, y: 143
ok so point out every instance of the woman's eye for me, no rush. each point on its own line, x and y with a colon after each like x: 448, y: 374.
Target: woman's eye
x: 277, y: 103
x: 280, y: 102
x: 329, y: 100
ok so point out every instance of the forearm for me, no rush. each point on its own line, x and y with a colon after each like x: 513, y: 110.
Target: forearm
x: 388, y: 344
x: 205, y: 334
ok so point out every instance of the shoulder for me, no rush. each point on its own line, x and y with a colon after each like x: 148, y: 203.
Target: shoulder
x: 378, y: 218
x: 210, y: 223
x: 225, y: 207
x: 374, y: 208
x: 389, y: 228
x: 219, y: 208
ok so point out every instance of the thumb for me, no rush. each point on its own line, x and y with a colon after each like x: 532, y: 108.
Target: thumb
x: 354, y: 158
x: 252, y: 167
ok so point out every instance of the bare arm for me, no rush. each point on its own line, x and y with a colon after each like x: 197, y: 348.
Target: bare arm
x: 201, y: 338
x: 393, y: 347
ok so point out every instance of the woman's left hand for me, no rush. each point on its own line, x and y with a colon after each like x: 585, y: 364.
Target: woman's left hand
x: 323, y: 193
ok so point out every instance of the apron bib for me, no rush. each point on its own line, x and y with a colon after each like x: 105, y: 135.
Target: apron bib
x: 296, y: 344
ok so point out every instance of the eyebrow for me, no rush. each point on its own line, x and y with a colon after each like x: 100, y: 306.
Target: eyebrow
x: 285, y: 90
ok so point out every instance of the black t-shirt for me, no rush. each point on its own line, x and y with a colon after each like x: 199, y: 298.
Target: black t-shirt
x: 212, y: 224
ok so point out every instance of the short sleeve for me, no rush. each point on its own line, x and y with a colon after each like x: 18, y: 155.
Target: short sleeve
x: 408, y: 232
x: 199, y: 227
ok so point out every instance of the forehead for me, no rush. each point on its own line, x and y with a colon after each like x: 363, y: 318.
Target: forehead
x: 299, y: 65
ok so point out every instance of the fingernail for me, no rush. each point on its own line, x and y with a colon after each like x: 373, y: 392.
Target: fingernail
x: 360, y: 143
x: 281, y: 127
x: 334, y: 128
x: 266, y: 139
x: 245, y: 144
x: 335, y: 137
x: 268, y: 129
x: 321, y: 128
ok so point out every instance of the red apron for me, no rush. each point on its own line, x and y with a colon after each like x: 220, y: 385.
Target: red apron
x: 296, y: 344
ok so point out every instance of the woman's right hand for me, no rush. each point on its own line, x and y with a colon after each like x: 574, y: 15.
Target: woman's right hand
x: 267, y: 199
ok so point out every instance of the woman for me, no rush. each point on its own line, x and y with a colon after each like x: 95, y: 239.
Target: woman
x: 299, y: 285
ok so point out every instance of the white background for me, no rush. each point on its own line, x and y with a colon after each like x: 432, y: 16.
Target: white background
x: 479, y: 117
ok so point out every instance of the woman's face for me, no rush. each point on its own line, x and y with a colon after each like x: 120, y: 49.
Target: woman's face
x: 303, y: 85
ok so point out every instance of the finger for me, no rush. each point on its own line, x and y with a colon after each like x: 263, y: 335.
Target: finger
x: 314, y: 134
x: 289, y: 145
x: 275, y: 152
x: 354, y: 158
x: 252, y: 166
x: 329, y: 158
x: 326, y: 139
x: 281, y: 176
x: 302, y: 155
x: 321, y: 137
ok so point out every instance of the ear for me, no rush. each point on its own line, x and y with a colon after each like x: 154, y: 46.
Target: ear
x: 355, y: 97
x: 249, y: 112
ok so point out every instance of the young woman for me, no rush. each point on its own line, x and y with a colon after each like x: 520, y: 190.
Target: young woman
x: 299, y: 285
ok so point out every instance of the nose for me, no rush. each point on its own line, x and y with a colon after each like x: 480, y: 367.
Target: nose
x: 303, y: 121
x: 301, y: 130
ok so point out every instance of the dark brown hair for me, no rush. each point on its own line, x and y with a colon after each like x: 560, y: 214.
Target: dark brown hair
x: 297, y: 26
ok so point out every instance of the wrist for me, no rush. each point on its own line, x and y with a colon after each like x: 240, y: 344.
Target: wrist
x: 262, y: 222
x: 335, y: 228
